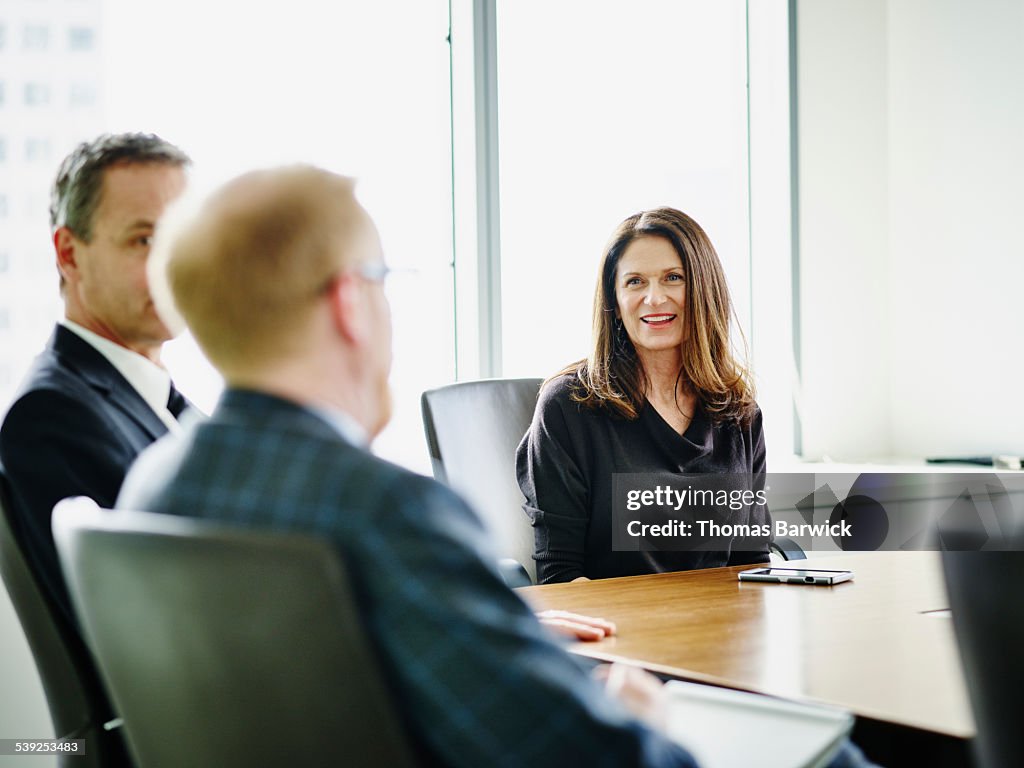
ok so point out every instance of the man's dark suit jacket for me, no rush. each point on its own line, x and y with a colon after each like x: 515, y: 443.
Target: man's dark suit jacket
x: 477, y: 678
x: 73, y: 429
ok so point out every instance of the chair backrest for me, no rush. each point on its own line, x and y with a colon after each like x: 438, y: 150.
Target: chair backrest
x: 226, y: 646
x: 77, y: 701
x: 473, y: 429
x: 988, y: 616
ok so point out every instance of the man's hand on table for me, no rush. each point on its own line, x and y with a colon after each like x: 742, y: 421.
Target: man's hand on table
x: 638, y: 690
x: 576, y: 626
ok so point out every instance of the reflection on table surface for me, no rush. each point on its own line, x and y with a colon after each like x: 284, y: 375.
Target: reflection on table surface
x: 873, y: 645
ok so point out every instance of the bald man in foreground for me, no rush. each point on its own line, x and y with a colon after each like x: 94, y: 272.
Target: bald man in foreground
x: 279, y: 277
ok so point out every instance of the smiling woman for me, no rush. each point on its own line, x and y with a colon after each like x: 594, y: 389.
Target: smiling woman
x: 651, y: 295
x: 660, y: 392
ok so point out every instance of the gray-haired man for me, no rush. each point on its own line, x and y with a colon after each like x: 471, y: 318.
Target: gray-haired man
x: 98, y: 394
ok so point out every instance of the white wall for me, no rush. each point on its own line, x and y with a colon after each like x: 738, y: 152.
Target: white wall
x: 842, y: 61
x: 911, y: 162
x: 956, y: 244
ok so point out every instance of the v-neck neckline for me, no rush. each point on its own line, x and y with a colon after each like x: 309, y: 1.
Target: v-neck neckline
x: 694, y: 439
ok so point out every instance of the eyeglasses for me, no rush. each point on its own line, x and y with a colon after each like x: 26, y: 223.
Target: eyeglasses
x: 374, y: 271
x: 380, y: 273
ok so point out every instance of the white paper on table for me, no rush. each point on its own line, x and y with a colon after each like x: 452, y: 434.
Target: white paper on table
x: 723, y: 728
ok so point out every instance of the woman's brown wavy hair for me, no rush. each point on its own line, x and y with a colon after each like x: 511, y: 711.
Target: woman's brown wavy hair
x: 611, y: 377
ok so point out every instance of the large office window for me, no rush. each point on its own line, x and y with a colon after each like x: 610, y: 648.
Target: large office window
x: 602, y: 110
x: 606, y: 109
x: 359, y: 88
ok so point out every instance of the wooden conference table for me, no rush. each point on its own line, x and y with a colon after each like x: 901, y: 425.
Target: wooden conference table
x: 881, y: 645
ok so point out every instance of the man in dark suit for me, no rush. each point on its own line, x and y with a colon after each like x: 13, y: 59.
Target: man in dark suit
x: 98, y: 394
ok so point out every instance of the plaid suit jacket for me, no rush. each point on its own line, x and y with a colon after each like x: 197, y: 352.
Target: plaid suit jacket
x: 478, y: 679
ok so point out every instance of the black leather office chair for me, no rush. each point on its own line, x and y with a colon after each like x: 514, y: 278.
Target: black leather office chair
x: 77, y: 701
x: 226, y: 646
x: 473, y: 429
x: 988, y: 615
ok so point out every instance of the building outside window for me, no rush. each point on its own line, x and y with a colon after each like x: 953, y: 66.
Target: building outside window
x: 81, y: 38
x: 37, y: 94
x: 82, y: 95
x: 36, y: 37
x: 37, y: 150
x: 399, y: 148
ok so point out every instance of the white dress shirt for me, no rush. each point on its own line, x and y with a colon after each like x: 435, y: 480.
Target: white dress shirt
x: 343, y: 424
x: 152, y: 382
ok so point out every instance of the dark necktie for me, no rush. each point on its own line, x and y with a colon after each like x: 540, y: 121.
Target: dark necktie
x: 176, y: 403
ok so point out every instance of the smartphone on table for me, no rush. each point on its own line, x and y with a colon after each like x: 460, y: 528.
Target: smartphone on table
x: 815, y: 576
